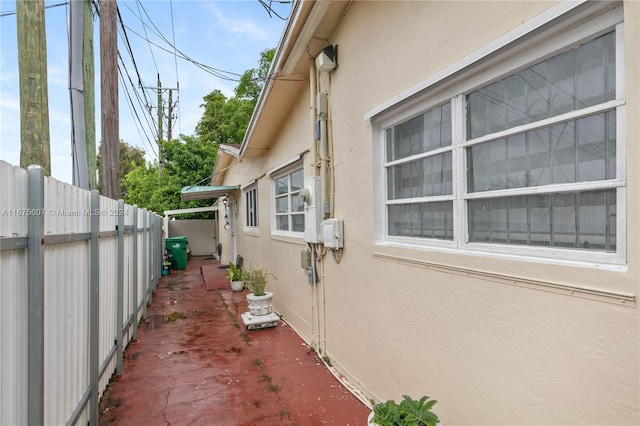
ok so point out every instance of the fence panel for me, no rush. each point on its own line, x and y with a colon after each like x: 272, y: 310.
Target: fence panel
x: 66, y: 297
x: 13, y: 295
x: 94, y: 283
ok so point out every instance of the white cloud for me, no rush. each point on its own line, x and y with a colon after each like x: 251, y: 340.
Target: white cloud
x: 235, y: 28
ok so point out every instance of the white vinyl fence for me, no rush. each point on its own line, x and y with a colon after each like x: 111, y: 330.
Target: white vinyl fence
x: 77, y: 271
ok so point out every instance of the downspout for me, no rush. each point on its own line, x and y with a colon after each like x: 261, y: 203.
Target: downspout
x: 325, y: 65
x: 313, y: 90
x: 323, y: 113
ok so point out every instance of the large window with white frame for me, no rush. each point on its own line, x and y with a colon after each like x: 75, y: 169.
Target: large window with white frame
x: 527, y: 163
x: 289, y: 207
x: 251, y: 207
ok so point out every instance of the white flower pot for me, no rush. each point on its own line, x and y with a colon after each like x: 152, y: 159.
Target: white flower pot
x: 260, y: 305
x: 237, y: 285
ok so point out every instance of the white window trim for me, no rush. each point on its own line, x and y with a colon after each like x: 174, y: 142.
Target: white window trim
x: 251, y: 186
x: 287, y: 168
x: 458, y: 80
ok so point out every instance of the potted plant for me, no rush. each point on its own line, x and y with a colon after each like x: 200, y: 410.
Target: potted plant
x: 235, y: 276
x: 409, y: 412
x: 259, y: 299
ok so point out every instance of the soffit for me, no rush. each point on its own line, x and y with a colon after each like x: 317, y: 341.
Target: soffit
x: 278, y: 100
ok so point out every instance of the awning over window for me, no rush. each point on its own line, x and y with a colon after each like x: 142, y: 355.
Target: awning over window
x: 189, y: 193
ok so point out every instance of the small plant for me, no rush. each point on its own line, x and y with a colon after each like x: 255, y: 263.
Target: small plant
x: 256, y: 280
x: 235, y: 273
x: 409, y: 412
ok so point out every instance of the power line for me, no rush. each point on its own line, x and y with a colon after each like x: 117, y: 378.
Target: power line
x: 155, y: 64
x: 175, y: 59
x: 13, y: 12
x: 133, y: 60
x: 134, y: 111
x: 269, y: 8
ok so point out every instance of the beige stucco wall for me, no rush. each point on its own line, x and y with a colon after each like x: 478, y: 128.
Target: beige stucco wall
x: 200, y: 233
x: 489, y: 337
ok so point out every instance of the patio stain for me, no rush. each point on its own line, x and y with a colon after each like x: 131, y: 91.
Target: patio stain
x: 200, y: 369
x: 173, y: 316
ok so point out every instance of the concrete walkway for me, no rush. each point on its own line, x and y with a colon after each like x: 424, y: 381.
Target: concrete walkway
x: 194, y: 363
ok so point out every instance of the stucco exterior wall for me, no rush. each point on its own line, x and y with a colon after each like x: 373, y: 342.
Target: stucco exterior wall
x: 495, y: 339
x: 200, y: 233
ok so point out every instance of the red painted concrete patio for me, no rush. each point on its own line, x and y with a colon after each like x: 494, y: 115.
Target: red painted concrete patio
x: 194, y: 363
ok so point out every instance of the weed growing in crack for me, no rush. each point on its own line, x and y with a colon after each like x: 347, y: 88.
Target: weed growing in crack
x: 245, y: 338
x: 273, y: 388
x: 265, y: 378
x: 258, y: 363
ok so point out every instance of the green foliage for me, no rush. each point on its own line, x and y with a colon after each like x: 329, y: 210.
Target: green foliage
x: 225, y: 121
x: 256, y: 280
x: 187, y: 161
x: 409, y: 412
x: 235, y: 273
x: 253, y: 79
x: 130, y: 158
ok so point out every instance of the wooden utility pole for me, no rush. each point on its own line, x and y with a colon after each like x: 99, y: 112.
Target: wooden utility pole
x: 109, y: 99
x: 170, y: 113
x: 34, y: 101
x: 159, y: 109
x: 160, y: 151
x: 159, y: 89
x: 89, y: 93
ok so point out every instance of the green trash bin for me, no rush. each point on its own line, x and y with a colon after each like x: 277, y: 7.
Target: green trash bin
x: 178, y: 248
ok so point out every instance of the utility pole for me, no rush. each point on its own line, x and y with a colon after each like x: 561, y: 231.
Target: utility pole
x: 76, y: 91
x: 34, y: 101
x: 170, y: 116
x: 159, y: 89
x: 160, y: 153
x: 89, y: 90
x: 159, y: 110
x: 109, y: 99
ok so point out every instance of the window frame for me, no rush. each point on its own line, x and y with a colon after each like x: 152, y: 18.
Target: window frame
x: 454, y: 87
x: 288, y: 170
x: 251, y: 207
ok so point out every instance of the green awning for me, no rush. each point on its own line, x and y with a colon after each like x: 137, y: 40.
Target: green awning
x: 189, y: 193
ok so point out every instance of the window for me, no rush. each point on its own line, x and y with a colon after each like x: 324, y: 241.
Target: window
x: 548, y: 161
x: 289, y: 208
x: 419, y: 176
x: 528, y: 163
x: 251, y: 207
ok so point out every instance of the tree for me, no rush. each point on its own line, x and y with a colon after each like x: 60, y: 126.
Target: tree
x: 226, y: 120
x: 253, y: 79
x: 130, y: 158
x: 187, y: 161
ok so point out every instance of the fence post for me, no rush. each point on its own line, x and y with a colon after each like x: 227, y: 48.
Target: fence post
x: 145, y: 254
x: 120, y: 289
x: 35, y: 309
x: 94, y: 308
x: 134, y: 265
x: 156, y: 253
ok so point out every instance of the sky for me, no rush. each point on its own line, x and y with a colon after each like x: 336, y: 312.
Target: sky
x: 222, y: 35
